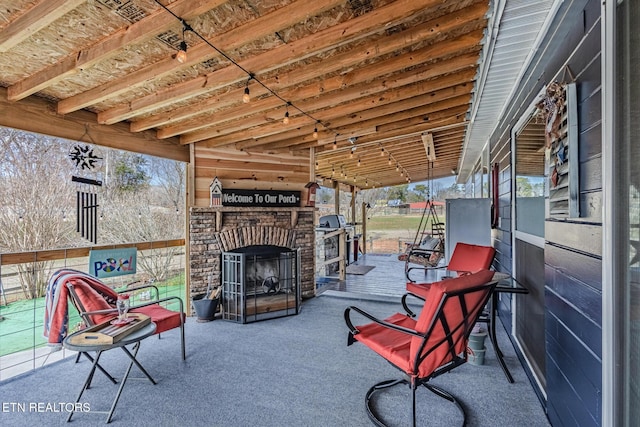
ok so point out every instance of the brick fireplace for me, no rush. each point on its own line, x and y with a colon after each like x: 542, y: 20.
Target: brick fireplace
x: 218, y: 230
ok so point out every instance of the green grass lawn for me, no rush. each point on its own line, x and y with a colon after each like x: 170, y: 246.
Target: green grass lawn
x: 396, y: 222
x: 393, y: 222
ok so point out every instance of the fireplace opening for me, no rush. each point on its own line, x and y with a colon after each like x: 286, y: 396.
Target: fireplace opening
x: 260, y: 282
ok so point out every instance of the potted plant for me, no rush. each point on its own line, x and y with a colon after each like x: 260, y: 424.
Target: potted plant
x: 475, y: 346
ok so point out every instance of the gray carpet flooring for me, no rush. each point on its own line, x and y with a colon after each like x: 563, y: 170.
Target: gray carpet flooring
x: 292, y: 371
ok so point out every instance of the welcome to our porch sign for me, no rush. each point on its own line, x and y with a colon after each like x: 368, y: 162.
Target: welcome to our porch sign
x: 260, y: 198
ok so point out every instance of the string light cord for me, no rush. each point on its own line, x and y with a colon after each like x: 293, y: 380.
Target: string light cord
x: 252, y: 76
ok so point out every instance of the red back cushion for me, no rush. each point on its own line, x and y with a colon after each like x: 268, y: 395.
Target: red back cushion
x: 91, y: 300
x: 454, y: 316
x: 467, y: 258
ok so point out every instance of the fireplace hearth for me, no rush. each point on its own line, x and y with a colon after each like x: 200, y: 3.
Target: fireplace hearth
x: 260, y: 282
x: 232, y: 230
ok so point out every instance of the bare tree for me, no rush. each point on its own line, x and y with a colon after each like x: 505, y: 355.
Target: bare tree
x: 141, y: 201
x: 37, y: 194
x: 169, y: 181
x: 149, y: 214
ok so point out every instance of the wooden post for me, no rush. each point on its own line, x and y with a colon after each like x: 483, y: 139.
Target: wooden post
x: 336, y: 196
x: 363, y: 238
x: 353, y: 205
x: 341, y: 253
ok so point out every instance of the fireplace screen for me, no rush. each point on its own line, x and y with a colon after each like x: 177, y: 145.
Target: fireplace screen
x: 260, y: 282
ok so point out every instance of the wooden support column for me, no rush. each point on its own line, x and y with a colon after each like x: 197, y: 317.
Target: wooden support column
x: 342, y: 245
x: 353, y: 205
x: 363, y: 238
x: 336, y: 196
x: 312, y: 164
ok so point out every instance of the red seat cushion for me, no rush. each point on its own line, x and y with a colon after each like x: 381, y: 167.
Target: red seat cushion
x: 163, y: 318
x: 392, y: 345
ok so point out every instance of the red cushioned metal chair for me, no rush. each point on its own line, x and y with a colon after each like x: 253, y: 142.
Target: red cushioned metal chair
x: 466, y: 258
x: 430, y: 345
x: 95, y: 302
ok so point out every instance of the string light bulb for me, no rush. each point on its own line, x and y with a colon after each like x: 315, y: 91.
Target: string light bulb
x: 389, y: 159
x: 286, y: 118
x: 358, y: 162
x: 246, y: 97
x: 382, y: 151
x: 315, y: 132
x: 335, y: 142
x: 181, y: 56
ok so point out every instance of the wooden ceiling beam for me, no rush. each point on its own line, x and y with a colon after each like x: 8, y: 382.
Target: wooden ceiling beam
x: 258, y: 28
x: 330, y: 38
x: 393, y: 89
x: 39, y: 16
x: 434, y: 111
x: 37, y: 115
x: 342, y: 117
x: 350, y: 123
x: 248, y: 165
x: 426, y: 127
x: 309, y: 97
x: 145, y: 29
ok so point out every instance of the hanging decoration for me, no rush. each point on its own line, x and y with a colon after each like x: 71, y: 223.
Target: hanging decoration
x: 551, y: 106
x: 88, y: 164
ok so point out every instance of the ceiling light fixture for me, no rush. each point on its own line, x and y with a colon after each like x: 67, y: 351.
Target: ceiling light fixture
x: 181, y: 56
x: 246, y: 98
x: 286, y: 115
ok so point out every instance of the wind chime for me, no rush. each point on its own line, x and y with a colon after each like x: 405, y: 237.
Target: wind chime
x: 87, y: 163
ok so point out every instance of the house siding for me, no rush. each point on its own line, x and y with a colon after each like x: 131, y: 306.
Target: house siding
x: 573, y: 246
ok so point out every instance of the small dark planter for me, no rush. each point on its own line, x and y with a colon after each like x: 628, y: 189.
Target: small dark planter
x: 205, y: 308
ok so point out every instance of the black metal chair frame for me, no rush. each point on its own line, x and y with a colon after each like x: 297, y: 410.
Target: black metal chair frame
x: 456, y: 359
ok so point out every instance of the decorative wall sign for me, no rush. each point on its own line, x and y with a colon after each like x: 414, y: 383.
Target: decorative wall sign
x: 261, y: 198
x: 112, y: 262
